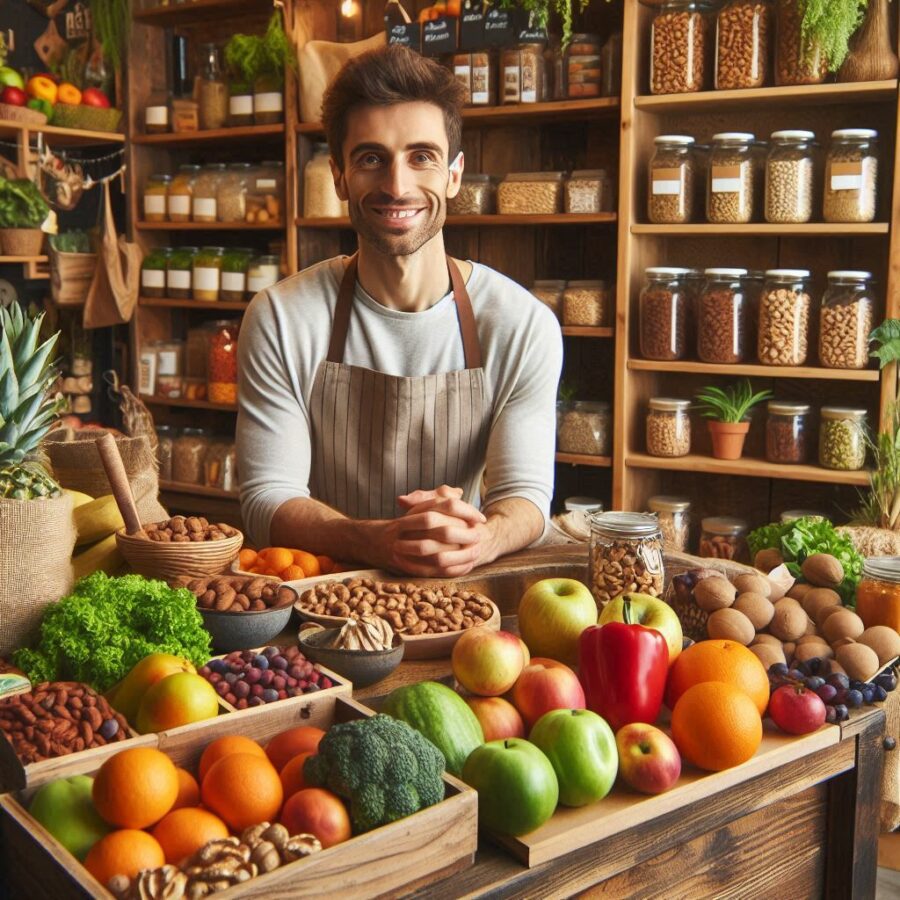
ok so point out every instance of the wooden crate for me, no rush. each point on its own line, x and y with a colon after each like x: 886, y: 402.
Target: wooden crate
x: 395, y: 858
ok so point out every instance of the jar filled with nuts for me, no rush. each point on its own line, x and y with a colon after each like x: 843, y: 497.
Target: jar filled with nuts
x: 787, y: 432
x: 789, y: 177
x: 722, y: 317
x: 588, y: 191
x: 586, y: 303
x: 668, y: 427
x: 531, y: 193
x: 674, y: 515
x: 670, y: 191
x: 847, y: 317
x: 475, y: 197
x: 842, y: 438
x: 550, y: 293
x: 798, y: 60
x: 678, y: 48
x: 851, y: 176
x: 732, y: 178
x: 724, y: 537
x: 584, y: 427
x: 626, y: 556
x: 664, y: 313
x: 742, y: 44
x: 784, y: 308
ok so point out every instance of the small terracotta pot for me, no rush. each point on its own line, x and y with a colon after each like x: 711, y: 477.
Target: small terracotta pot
x: 728, y: 438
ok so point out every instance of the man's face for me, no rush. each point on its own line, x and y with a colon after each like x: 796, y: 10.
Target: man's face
x: 397, y: 175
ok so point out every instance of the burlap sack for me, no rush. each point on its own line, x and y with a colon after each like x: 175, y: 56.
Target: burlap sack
x: 890, y: 792
x: 77, y: 466
x: 36, y: 542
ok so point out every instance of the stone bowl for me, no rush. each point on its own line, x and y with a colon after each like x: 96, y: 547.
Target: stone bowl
x: 244, y: 630
x: 362, y: 667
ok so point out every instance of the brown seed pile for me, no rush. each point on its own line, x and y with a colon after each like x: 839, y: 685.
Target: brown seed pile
x: 796, y: 62
x: 789, y: 188
x: 586, y: 306
x: 721, y: 331
x: 786, y: 440
x: 844, y: 334
x: 678, y: 54
x: 720, y: 546
x: 529, y: 197
x: 584, y: 432
x: 626, y: 566
x: 668, y: 433
x: 663, y: 207
x: 725, y: 207
x: 856, y: 204
x: 238, y: 593
x: 742, y: 45
x: 784, y: 327
x: 183, y: 530
x: 664, y: 316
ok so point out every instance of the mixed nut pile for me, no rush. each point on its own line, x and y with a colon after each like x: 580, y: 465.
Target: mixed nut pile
x: 185, y: 529
x: 238, y: 593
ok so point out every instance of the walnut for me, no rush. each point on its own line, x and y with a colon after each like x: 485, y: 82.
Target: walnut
x: 300, y: 845
x: 266, y: 856
x: 163, y: 883
x: 277, y: 835
x: 252, y: 835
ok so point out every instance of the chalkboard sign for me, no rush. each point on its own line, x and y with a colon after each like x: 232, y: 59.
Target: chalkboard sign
x: 471, y: 29
x: 439, y: 36
x: 500, y: 28
x: 406, y: 35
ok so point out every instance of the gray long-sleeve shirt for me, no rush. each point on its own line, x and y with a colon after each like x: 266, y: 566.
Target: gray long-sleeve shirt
x: 285, y: 335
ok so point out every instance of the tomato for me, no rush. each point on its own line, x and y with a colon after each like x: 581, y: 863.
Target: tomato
x: 95, y: 97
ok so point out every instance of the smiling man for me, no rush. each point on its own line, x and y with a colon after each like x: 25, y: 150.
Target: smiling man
x: 377, y: 390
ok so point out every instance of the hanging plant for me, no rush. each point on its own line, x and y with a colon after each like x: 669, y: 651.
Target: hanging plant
x: 830, y: 24
x: 539, y: 12
x: 249, y: 56
x: 111, y: 23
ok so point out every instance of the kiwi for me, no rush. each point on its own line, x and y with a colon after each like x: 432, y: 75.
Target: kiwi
x: 883, y: 640
x: 730, y: 625
x: 815, y: 650
x: 714, y: 593
x: 859, y: 661
x: 755, y: 607
x: 768, y: 654
x: 753, y: 584
x: 789, y: 621
x: 767, y: 639
x: 842, y: 624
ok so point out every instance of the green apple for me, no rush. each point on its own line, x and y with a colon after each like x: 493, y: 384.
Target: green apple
x: 11, y: 78
x: 517, y: 787
x: 552, y: 614
x: 581, y: 748
x: 65, y: 808
x: 651, y: 612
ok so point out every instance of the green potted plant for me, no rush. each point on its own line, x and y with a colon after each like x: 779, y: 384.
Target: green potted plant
x: 22, y: 212
x: 540, y: 10
x: 727, y: 412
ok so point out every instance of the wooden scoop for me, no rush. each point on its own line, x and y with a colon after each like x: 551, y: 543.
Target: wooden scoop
x: 121, y: 489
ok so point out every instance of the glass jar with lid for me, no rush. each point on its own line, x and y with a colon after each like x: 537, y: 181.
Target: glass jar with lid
x: 550, y: 293
x: 784, y: 310
x: 476, y: 196
x: 206, y: 188
x: 668, y: 427
x: 240, y: 104
x: 670, y: 189
x: 842, y: 438
x: 153, y: 272
x: 851, y: 176
x: 798, y: 59
x: 156, y: 190
x: 588, y: 191
x: 674, y: 516
x: 664, y: 313
x: 722, y: 317
x: 584, y: 427
x: 583, y: 69
x: 789, y: 177
x: 587, y: 302
x: 787, y: 432
x: 206, y: 279
x: 212, y: 92
x: 222, y: 368
x: 678, y: 47
x: 266, y: 195
x: 268, y: 99
x: 522, y: 73
x: 878, y: 594
x: 616, y: 535
x: 169, y: 369
x: 188, y: 452
x: 846, y: 320
x: 220, y: 466
x: 179, y: 269
x: 742, y: 44
x: 262, y: 273
x: 476, y: 73
x: 165, y: 439
x: 584, y: 505
x: 156, y: 113
x: 320, y: 200
x: 530, y: 193
x: 724, y: 537
x: 181, y: 192
x: 732, y: 178
x: 235, y: 262
x: 147, y: 360
x: 791, y: 515
x: 231, y: 193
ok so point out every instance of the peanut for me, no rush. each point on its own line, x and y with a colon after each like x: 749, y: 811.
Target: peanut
x: 784, y: 327
x: 624, y: 566
x: 678, y: 52
x: 742, y: 45
x: 844, y: 334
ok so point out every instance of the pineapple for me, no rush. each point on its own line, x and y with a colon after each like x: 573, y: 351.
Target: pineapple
x: 27, y: 409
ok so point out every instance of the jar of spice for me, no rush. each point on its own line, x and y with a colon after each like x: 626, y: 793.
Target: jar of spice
x: 235, y: 262
x: 584, y: 427
x: 583, y: 68
x: 475, y: 71
x: 153, y: 272
x: 798, y: 60
x: 522, y: 73
x: 588, y: 191
x: 530, y: 193
x: 156, y: 114
x: 550, y: 293
x: 668, y: 427
x: 320, y: 200
x: 181, y: 192
x: 851, y: 176
x: 674, y: 516
x: 586, y: 303
x: 206, y: 188
x: 664, y: 314
x: 784, y: 309
x: 240, y: 104
x: 678, y: 48
x: 165, y: 439
x: 221, y: 369
x: 626, y: 556
x: 722, y: 317
x: 207, y: 273
x: 475, y: 198
x: 179, y: 269
x: 188, y: 452
x: 742, y: 44
x: 155, y: 192
x: 231, y: 193
x: 220, y: 466
x: 212, y: 91
x: 846, y: 320
x: 842, y: 438
x: 787, y: 432
x: 724, y: 537
x: 169, y: 369
x: 732, y: 178
x: 266, y: 195
x: 670, y: 190
x: 878, y: 594
x: 262, y: 273
x: 789, y: 177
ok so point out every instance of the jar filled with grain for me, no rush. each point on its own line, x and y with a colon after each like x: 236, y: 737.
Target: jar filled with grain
x: 787, y: 432
x: 842, y: 438
x: 212, y: 91
x: 181, y: 192
x: 584, y: 427
x: 476, y: 196
x: 522, y: 73
x: 530, y: 193
x: 674, y: 516
x: 668, y: 427
x: 165, y: 439
x: 784, y: 308
x: 589, y: 191
x: 664, y: 314
x: 846, y: 320
x: 179, y: 270
x: 732, y: 178
x: 626, y: 556
x: 156, y: 191
x: 586, y: 303
x: 851, y: 176
x: 153, y: 272
x: 670, y: 190
x: 789, y: 177
x: 188, y: 452
x: 320, y: 200
x: 550, y: 293
x: 798, y: 60
x: 476, y: 72
x: 583, y: 66
x: 262, y: 273
x: 231, y: 193
x: 206, y: 278
x: 679, y: 48
x: 206, y: 189
x: 742, y: 44
x: 724, y: 537
x: 722, y: 317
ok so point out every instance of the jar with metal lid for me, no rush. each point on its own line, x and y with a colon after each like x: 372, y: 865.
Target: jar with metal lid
x: 678, y: 48
x: 179, y: 269
x: 784, y: 308
x: 531, y: 193
x: 722, y: 317
x: 791, y: 515
x: 156, y: 113
x: 476, y: 73
x: 220, y: 466
x: 212, y: 92
x: 206, y: 188
x: 583, y: 69
x: 670, y: 189
x: 206, y: 279
x: 626, y: 556
x: 732, y: 178
x: 588, y: 191
x: 584, y: 427
x: 265, y: 196
x: 231, y: 193
x: 878, y: 594
x: 169, y: 369
x: 798, y: 59
x: 674, y: 516
x: 586, y: 505
x: 724, y: 537
x: 262, y: 273
x: 156, y: 190
x: 320, y: 200
x: 550, y: 293
x: 668, y: 427
x: 188, y: 452
x: 522, y: 72
x: 475, y: 197
x: 181, y: 192
x: 235, y: 262
x: 842, y: 438
x: 846, y: 320
x: 611, y: 66
x: 787, y: 432
x: 789, y: 177
x: 153, y: 272
x: 222, y: 367
x: 664, y: 314
x: 587, y: 303
x: 851, y: 176
x: 165, y: 439
x: 742, y: 44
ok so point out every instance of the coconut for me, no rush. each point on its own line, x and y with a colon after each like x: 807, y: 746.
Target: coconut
x: 843, y: 624
x: 822, y: 570
x: 789, y: 621
x: 883, y: 640
x: 768, y: 559
x: 730, y: 625
x: 752, y: 584
x: 714, y: 593
x: 859, y: 661
x: 756, y: 608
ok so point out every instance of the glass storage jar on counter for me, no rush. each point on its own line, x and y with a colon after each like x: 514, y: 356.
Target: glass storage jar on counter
x: 188, y: 452
x: 550, y: 293
x: 181, y: 192
x: 178, y: 272
x: 787, y: 432
x: 674, y: 516
x: 878, y: 593
x: 212, y: 92
x: 530, y: 193
x: 169, y: 369
x: 842, y: 438
x: 732, y: 178
x: 583, y: 67
x: 266, y: 195
x: 851, y: 176
x: 206, y: 188
x: 678, y: 48
x: 798, y: 60
x: 320, y: 200
x: 588, y: 191
x: 153, y: 272
x: 584, y: 427
x: 475, y: 197
x: 586, y: 303
x: 670, y: 189
x: 240, y: 104
x: 664, y: 313
x: 784, y: 308
x: 668, y: 427
x: 626, y: 556
x: 742, y: 44
x: 722, y: 317
x: 206, y: 279
x: 235, y: 262
x: 155, y: 192
x: 231, y: 193
x: 262, y: 273
x: 221, y: 367
x: 724, y: 537
x: 220, y: 466
x: 522, y: 73
x: 165, y: 439
x: 476, y: 73
x: 789, y: 177
x: 846, y: 320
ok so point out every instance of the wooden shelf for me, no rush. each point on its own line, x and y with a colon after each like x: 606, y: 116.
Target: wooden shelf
x: 153, y: 400
x: 208, y: 226
x: 711, y: 370
x: 765, y: 229
x: 487, y: 221
x: 22, y: 259
x: 205, y: 306
x: 587, y: 331
x: 199, y: 490
x: 196, y: 138
x: 60, y: 137
x: 197, y: 11
x: 584, y: 459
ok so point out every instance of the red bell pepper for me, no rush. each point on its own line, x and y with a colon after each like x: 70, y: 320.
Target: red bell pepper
x: 623, y: 669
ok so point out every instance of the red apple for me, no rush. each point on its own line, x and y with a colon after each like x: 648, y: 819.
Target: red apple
x: 552, y: 614
x: 13, y: 96
x: 498, y: 717
x: 94, y: 97
x: 649, y: 761
x: 796, y: 710
x: 545, y: 685
x: 487, y: 663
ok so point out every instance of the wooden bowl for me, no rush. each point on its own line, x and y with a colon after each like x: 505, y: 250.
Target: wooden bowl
x: 361, y: 667
x: 169, y: 561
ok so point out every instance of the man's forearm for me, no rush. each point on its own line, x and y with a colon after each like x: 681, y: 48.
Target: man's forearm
x: 512, y: 524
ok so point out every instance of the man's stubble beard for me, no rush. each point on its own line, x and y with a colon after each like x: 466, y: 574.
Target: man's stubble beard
x: 396, y: 245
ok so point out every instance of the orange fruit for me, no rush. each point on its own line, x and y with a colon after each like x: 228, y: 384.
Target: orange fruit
x: 225, y: 746
x: 123, y: 852
x: 243, y: 789
x: 319, y: 812
x: 285, y: 746
x: 292, y: 779
x: 188, y: 790
x: 135, y: 788
x: 308, y: 562
x: 726, y: 661
x: 716, y: 726
x: 247, y: 558
x: 292, y: 573
x: 182, y: 832
x: 279, y: 558
x: 326, y: 565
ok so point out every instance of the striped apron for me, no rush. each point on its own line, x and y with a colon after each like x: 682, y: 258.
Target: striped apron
x: 377, y: 436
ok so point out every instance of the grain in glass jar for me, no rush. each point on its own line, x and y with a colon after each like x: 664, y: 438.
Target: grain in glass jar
x: 206, y: 279
x: 798, y: 60
x: 231, y: 193
x: 626, y: 556
x: 522, y: 73
x: 789, y: 177
x: 221, y: 367
x: 724, y: 537
x: 664, y: 314
x: 670, y: 189
x: 842, y: 438
x: 846, y: 320
x: 235, y: 262
x: 153, y: 272
x: 722, y: 317
x: 475, y: 197
x: 784, y: 308
x: 530, y: 193
x: 678, y: 48
x: 212, y: 92
x: 165, y: 439
x: 588, y: 191
x: 262, y: 273
x: 550, y: 293
x: 476, y: 73
x: 732, y: 178
x: 206, y: 188
x: 851, y: 176
x: 179, y: 269
x: 787, y: 432
x: 320, y: 200
x: 742, y: 44
x: 668, y: 427
x: 583, y: 69
x: 188, y: 452
x: 155, y: 192
x: 584, y: 427
x: 586, y: 303
x: 169, y: 369
x: 181, y: 192
x: 674, y: 516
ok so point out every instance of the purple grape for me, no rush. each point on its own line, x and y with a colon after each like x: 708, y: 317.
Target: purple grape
x: 889, y: 743
x: 252, y: 675
x: 267, y: 677
x: 241, y: 689
x: 260, y: 661
x: 231, y: 677
x: 854, y: 699
x: 222, y: 688
x: 279, y: 662
x: 841, y: 695
x: 778, y: 669
x: 841, y: 712
x: 839, y: 680
x: 247, y: 655
x: 279, y: 683
x: 109, y: 729
x: 887, y: 680
x: 826, y: 692
x: 271, y: 652
x: 269, y: 695
x: 814, y: 682
x: 218, y: 665
x: 814, y: 665
x: 830, y: 715
x: 796, y: 675
x: 256, y: 690
x: 880, y: 694
x: 868, y: 693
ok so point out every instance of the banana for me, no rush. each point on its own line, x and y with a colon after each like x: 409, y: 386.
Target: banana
x: 78, y: 499
x: 97, y: 519
x: 104, y: 554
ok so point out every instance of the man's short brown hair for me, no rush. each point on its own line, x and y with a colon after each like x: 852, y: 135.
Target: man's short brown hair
x: 384, y: 77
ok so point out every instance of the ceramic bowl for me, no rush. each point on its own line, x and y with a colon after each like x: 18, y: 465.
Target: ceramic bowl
x: 362, y: 667
x: 244, y: 630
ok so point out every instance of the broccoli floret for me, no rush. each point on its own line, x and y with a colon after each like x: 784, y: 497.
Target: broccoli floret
x: 385, y: 768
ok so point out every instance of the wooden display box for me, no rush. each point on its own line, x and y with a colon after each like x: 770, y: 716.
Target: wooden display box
x: 412, y: 852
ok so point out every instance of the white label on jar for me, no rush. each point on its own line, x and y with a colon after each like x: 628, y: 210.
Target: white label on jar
x: 167, y: 362
x: 179, y: 205
x: 726, y: 180
x: 241, y: 105
x: 265, y: 184
x: 180, y: 279
x: 511, y: 83
x: 261, y: 278
x: 205, y: 207
x: 156, y: 115
x: 154, y: 204
x: 846, y: 176
x: 271, y: 101
x: 666, y: 186
x: 206, y: 278
x: 147, y: 372
x: 234, y: 281
x: 153, y: 278
x: 464, y: 77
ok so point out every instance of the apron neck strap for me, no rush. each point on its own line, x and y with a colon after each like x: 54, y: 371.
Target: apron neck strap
x: 467, y: 326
